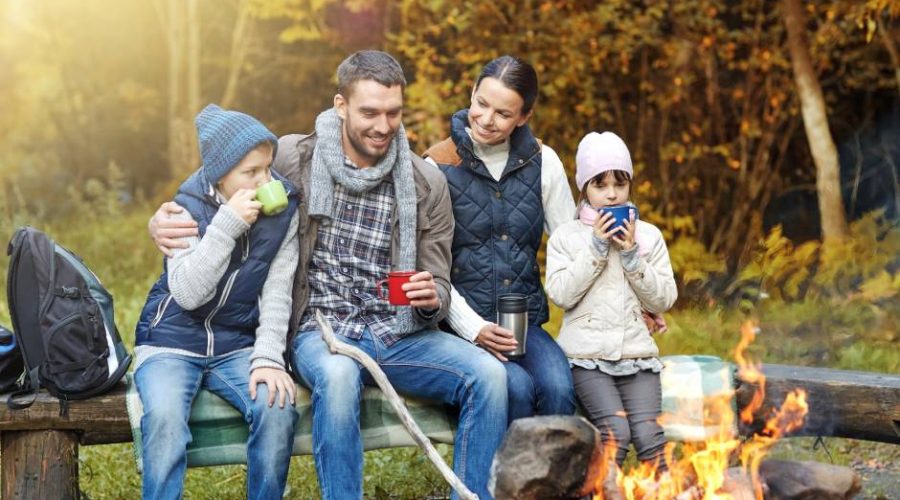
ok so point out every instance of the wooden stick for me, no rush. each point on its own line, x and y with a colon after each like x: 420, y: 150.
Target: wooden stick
x: 338, y: 347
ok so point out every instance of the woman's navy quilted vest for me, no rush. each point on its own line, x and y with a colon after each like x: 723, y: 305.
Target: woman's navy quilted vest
x: 228, y: 321
x: 499, y: 224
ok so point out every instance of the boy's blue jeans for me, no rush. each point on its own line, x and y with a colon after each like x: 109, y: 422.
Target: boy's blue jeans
x: 540, y: 382
x: 429, y: 364
x: 168, y: 383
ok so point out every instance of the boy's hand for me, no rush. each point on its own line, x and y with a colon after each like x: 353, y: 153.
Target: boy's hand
x: 602, y: 225
x: 243, y: 204
x: 625, y: 239
x: 496, y: 340
x: 278, y: 382
x: 167, y: 232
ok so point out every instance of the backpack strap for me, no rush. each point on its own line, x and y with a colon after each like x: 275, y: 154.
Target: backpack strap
x: 31, y: 387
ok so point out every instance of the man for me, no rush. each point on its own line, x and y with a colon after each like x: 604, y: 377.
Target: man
x: 372, y: 206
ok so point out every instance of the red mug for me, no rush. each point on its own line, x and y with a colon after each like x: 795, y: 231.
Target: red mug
x: 395, y: 281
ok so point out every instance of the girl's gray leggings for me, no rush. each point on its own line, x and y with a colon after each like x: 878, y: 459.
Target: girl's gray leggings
x: 625, y: 409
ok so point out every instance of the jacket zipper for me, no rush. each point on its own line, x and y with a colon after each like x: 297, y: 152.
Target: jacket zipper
x: 160, y: 310
x: 207, y: 323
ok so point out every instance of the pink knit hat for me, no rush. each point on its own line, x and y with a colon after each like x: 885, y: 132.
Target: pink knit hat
x: 598, y: 153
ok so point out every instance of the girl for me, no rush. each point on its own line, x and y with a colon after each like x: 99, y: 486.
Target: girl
x: 507, y: 189
x: 603, y: 277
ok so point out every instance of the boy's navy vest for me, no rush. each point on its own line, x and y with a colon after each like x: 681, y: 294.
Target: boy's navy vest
x: 499, y: 224
x: 228, y: 321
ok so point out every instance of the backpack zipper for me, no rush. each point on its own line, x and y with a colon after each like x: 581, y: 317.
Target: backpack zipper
x: 207, y: 323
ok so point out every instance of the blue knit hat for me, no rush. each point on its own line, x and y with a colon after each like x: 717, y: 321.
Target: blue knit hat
x: 225, y: 137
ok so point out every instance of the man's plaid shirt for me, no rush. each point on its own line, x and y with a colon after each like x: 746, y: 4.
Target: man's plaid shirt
x: 351, y: 254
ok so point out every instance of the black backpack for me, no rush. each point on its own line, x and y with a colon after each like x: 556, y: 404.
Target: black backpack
x: 63, y: 322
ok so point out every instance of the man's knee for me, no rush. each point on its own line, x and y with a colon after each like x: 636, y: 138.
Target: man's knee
x: 490, y: 376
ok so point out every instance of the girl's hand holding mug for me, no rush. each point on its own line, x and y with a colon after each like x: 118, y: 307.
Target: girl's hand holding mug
x: 603, y: 226
x: 624, y: 240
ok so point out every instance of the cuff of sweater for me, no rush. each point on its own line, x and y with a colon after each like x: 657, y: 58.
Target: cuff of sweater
x: 227, y: 221
x: 267, y: 353
x: 262, y: 362
x: 468, y: 328
x: 600, y: 246
x: 630, y: 259
x: 427, y: 314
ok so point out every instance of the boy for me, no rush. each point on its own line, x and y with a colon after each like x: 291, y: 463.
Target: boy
x: 217, y: 318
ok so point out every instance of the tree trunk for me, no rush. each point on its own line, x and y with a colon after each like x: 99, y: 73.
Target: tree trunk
x: 815, y: 121
x: 173, y: 27
x: 192, y: 154
x: 886, y: 34
x: 239, y: 43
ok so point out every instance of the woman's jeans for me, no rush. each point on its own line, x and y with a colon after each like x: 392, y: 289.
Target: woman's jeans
x: 168, y: 383
x: 429, y: 364
x: 625, y: 409
x: 540, y: 382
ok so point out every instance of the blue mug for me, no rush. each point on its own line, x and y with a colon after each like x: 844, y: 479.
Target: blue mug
x: 7, y: 341
x: 620, y: 214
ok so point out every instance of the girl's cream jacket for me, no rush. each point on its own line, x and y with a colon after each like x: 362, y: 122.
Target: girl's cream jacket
x: 602, y: 301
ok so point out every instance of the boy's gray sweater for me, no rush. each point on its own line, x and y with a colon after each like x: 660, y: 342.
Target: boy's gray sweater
x: 195, y: 272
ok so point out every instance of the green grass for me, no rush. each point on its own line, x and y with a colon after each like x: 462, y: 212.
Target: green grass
x: 109, y: 472
x: 849, y: 334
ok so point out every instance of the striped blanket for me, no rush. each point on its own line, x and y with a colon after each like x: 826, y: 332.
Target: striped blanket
x: 220, y: 434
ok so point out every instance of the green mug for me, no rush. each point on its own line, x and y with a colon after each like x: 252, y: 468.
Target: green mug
x: 272, y: 196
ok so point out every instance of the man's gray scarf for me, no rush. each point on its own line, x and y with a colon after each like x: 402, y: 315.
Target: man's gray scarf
x: 328, y: 167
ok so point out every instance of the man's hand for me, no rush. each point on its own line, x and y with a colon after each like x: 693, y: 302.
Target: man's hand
x: 167, y: 232
x: 279, y: 383
x: 498, y: 341
x: 422, y: 292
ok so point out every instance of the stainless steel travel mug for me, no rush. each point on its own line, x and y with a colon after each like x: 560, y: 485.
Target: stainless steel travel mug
x: 512, y: 314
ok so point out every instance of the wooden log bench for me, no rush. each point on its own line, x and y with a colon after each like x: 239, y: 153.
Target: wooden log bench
x: 39, y: 448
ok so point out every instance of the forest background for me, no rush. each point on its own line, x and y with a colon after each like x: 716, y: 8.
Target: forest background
x: 98, y: 99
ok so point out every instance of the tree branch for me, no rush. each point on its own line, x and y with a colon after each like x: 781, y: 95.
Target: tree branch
x: 338, y: 347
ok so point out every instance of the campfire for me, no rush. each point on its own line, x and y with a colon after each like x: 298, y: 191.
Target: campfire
x: 722, y: 467
x: 565, y: 457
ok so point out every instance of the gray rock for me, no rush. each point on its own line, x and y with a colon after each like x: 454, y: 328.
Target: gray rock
x: 793, y: 480
x: 738, y: 484
x: 546, y: 458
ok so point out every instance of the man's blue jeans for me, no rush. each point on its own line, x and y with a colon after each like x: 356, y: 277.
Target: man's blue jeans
x: 168, y: 383
x: 540, y: 382
x: 429, y: 364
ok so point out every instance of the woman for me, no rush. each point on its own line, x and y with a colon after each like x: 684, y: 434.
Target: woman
x: 507, y: 189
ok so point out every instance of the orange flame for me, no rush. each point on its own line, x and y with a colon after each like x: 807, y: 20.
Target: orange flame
x: 700, y: 473
x: 750, y: 372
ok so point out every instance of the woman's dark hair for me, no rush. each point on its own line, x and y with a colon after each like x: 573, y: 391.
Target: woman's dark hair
x: 515, y: 74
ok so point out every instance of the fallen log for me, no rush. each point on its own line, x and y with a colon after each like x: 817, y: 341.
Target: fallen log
x: 842, y: 403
